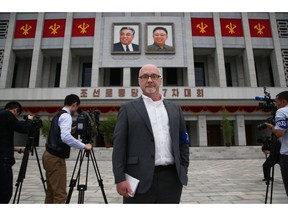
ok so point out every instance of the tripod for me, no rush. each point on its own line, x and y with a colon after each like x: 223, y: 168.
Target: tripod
x: 83, y: 187
x: 29, y: 147
x: 275, y: 151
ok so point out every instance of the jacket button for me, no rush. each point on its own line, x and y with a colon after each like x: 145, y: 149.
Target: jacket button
x: 152, y: 156
x: 152, y: 140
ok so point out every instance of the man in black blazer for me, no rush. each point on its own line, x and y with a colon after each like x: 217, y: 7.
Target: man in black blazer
x: 126, y: 38
x: 151, y: 144
x: 8, y: 124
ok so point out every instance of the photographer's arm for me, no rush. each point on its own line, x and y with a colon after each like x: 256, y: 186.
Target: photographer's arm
x: 65, y: 123
x: 277, y: 132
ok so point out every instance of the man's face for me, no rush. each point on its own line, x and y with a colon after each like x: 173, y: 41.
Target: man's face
x: 280, y: 103
x: 126, y: 36
x: 149, y: 79
x: 160, y: 37
x: 74, y: 108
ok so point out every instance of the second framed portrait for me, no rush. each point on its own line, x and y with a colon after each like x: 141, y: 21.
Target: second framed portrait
x: 126, y: 38
x: 160, y: 38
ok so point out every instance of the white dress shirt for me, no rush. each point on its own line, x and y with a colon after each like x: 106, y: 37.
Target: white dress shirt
x: 160, y: 125
x: 130, y: 47
x: 65, y: 123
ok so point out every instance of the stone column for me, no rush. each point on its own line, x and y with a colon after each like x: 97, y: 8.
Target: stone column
x: 37, y: 56
x: 239, y: 131
x: 276, y: 56
x: 202, y: 130
x: 219, y: 56
x: 66, y: 53
x: 6, y: 77
x: 248, y: 57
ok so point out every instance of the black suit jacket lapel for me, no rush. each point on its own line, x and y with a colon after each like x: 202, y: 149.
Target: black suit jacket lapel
x: 141, y: 109
x: 170, y: 114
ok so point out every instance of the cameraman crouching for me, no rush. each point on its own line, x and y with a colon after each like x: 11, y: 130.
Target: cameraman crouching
x: 8, y: 124
x: 58, y: 148
x: 280, y: 130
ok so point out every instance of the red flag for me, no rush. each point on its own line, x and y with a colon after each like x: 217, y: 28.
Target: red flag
x: 54, y: 28
x: 25, y: 29
x: 202, y: 26
x: 83, y: 27
x: 260, y: 28
x: 231, y: 27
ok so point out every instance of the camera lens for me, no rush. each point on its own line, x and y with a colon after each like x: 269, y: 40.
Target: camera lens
x: 261, y: 126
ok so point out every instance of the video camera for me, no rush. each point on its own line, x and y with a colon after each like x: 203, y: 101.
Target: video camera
x: 87, y: 124
x: 267, y: 104
x: 266, y: 143
x: 37, y: 122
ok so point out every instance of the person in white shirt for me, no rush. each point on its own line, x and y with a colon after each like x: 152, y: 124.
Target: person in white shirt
x: 281, y: 131
x: 151, y: 144
x: 60, y: 140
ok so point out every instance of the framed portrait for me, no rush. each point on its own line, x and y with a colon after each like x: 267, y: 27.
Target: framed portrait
x: 126, y: 38
x: 160, y: 38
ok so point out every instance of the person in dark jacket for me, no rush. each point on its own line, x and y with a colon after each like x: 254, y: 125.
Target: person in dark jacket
x: 8, y: 124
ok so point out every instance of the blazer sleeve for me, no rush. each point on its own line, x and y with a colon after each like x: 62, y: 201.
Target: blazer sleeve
x: 184, y: 141
x: 120, y: 145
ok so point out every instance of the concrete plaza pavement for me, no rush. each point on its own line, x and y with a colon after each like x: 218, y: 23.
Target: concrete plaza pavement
x: 211, y: 181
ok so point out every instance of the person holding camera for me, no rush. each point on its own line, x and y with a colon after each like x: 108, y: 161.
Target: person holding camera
x: 60, y: 140
x: 8, y: 124
x: 280, y: 130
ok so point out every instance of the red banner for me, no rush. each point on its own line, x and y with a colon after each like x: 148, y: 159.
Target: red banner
x: 202, y: 26
x: 25, y: 29
x: 83, y: 27
x: 231, y: 27
x: 54, y: 28
x: 260, y: 28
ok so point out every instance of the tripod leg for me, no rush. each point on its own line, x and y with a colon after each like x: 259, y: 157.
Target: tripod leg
x: 83, y: 187
x: 272, y: 182
x: 73, y: 181
x: 40, y: 170
x: 23, y: 168
x: 98, y: 176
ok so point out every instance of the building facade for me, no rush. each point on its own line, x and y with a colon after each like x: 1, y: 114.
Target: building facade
x: 218, y: 61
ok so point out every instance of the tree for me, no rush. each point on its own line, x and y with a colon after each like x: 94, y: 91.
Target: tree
x: 227, y: 129
x: 106, y: 128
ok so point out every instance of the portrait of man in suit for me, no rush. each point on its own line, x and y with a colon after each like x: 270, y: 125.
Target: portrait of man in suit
x: 127, y: 41
x: 151, y: 144
x: 160, y: 39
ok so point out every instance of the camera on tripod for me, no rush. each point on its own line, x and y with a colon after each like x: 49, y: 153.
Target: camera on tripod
x: 266, y: 143
x: 87, y: 124
x: 266, y: 104
x: 37, y: 122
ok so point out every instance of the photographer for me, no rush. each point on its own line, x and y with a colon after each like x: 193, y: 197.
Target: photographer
x: 8, y: 124
x: 58, y: 149
x: 280, y: 130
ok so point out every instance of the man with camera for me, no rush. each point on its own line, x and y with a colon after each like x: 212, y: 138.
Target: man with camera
x: 60, y: 140
x: 8, y: 124
x: 280, y: 130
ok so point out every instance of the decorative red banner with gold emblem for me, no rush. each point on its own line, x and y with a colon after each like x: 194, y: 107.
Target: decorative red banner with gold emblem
x: 260, y: 28
x: 25, y: 29
x: 83, y: 27
x: 202, y: 26
x: 54, y: 28
x: 107, y: 109
x: 231, y: 27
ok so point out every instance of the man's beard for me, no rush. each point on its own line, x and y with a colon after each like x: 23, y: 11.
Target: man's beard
x: 150, y: 90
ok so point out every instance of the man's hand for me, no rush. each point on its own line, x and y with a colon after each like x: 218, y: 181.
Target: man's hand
x: 124, y: 189
x: 30, y: 117
x: 88, y: 147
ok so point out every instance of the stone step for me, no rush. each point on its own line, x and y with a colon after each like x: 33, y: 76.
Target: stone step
x: 196, y: 153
